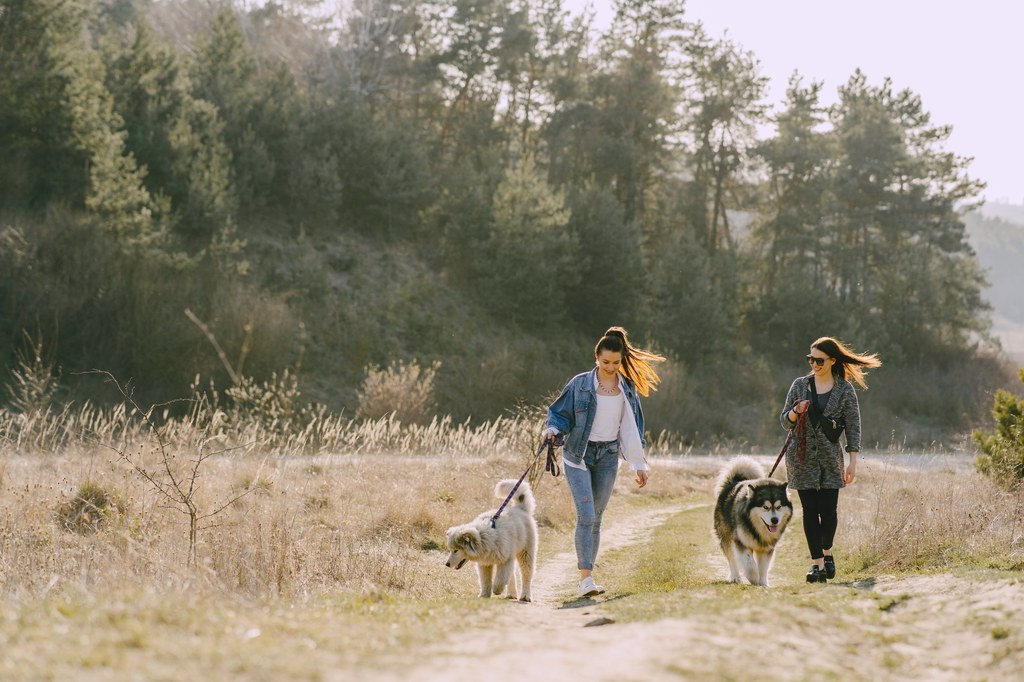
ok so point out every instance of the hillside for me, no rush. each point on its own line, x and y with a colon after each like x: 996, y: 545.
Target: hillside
x: 999, y: 244
x: 1011, y: 213
x: 195, y: 194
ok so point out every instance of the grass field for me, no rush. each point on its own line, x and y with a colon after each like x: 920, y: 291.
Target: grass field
x: 330, y: 566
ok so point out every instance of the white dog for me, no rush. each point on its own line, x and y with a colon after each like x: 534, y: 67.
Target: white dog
x: 496, y: 550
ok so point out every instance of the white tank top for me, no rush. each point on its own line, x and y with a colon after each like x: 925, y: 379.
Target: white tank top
x: 607, y: 419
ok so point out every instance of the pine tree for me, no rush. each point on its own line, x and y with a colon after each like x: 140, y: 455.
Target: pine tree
x: 791, y: 240
x: 901, y: 253
x: 225, y: 73
x: 176, y: 138
x: 530, y: 256
x: 40, y: 162
x: 725, y: 104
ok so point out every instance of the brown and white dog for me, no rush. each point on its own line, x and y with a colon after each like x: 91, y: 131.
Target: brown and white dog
x: 497, y: 550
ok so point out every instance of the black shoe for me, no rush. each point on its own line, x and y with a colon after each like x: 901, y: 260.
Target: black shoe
x: 816, y: 576
x: 830, y: 567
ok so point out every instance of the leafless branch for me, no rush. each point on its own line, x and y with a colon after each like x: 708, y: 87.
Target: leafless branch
x: 235, y: 379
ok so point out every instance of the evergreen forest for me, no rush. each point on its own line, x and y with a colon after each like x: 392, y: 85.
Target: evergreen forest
x: 213, y: 192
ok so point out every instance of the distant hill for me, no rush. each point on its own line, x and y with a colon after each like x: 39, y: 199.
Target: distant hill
x: 997, y: 235
x: 1011, y: 213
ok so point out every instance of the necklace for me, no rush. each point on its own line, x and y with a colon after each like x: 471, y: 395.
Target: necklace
x: 603, y: 389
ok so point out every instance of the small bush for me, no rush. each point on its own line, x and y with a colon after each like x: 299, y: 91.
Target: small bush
x: 404, y: 390
x: 33, y: 380
x: 1003, y: 449
x: 276, y: 403
x: 91, y: 509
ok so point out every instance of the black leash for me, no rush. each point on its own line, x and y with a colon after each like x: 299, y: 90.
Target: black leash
x: 550, y: 465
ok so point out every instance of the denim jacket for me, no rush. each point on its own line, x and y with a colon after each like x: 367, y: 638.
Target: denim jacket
x: 572, y: 413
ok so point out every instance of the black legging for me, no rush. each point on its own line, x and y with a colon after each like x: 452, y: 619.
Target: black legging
x: 820, y: 519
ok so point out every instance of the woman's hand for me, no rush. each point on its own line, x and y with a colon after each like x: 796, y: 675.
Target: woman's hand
x: 851, y: 472
x: 549, y: 434
x: 793, y: 416
x: 641, y: 478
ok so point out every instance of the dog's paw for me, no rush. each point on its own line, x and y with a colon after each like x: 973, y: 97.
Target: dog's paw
x: 525, y: 599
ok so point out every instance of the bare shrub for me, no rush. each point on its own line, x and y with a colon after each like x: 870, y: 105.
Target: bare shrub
x: 276, y: 403
x: 404, y: 390
x: 175, y: 479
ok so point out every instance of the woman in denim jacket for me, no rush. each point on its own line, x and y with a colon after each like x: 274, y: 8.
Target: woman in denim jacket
x: 814, y: 464
x: 599, y: 414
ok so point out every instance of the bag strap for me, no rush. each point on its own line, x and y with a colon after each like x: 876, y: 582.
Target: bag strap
x: 817, y: 405
x: 814, y: 395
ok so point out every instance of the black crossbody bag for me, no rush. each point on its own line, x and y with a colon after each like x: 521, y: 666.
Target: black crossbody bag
x: 832, y: 427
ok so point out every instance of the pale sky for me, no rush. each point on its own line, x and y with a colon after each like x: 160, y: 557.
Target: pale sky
x: 965, y: 60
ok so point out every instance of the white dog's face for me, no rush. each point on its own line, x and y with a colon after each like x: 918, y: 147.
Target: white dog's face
x: 462, y: 544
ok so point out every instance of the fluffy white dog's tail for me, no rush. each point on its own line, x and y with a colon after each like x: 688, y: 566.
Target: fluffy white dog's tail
x: 736, y: 470
x: 523, y: 497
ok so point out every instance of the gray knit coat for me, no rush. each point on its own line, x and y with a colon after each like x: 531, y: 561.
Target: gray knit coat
x: 822, y: 466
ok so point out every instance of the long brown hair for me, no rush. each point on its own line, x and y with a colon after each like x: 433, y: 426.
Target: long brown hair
x: 849, y: 365
x: 636, y: 363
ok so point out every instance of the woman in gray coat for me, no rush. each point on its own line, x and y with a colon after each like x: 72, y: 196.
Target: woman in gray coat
x: 819, y: 405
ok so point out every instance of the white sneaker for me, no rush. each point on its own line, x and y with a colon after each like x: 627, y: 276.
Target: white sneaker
x: 588, y: 588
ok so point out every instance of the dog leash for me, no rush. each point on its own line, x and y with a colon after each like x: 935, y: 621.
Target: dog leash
x: 550, y: 465
x: 792, y: 431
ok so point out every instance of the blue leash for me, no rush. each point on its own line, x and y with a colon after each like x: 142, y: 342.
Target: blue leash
x: 550, y: 465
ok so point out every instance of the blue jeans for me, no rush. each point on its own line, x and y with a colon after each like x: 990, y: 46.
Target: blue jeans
x: 591, y: 489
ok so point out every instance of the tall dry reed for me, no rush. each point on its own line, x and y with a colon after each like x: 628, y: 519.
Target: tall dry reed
x: 340, y: 504
x: 929, y: 514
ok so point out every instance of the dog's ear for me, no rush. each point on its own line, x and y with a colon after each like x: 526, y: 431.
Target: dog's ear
x: 468, y: 540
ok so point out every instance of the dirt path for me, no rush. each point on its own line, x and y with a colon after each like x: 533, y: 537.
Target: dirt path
x: 546, y: 640
x: 940, y: 627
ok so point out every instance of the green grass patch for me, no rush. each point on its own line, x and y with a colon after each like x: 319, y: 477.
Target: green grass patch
x: 681, y: 572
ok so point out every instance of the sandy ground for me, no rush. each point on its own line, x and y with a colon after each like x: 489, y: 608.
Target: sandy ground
x: 548, y: 640
x: 935, y: 627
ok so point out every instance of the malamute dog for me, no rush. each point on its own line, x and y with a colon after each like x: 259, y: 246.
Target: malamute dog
x: 751, y: 513
x: 496, y: 550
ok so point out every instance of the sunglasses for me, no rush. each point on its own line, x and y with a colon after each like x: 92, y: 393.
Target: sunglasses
x: 816, y: 361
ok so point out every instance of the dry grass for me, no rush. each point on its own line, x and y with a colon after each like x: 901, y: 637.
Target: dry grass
x: 309, y: 520
x: 327, y: 552
x: 308, y: 431
x: 940, y: 515
x: 373, y: 518
x: 371, y: 521
x: 330, y: 547
x: 310, y: 525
